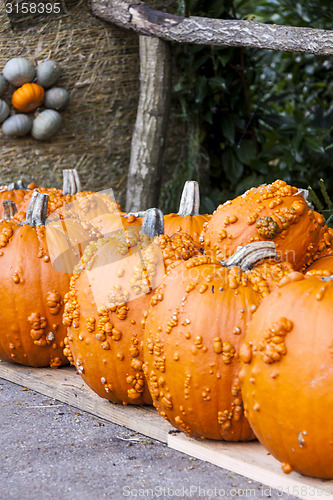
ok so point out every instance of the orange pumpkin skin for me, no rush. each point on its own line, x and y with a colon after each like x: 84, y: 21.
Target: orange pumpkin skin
x: 271, y: 212
x: 56, y: 198
x: 104, y: 310
x: 321, y: 267
x: 191, y: 224
x: 270, y: 273
x: 194, y: 326
x: 15, y: 195
x: 32, y: 295
x: 90, y: 205
x: 28, y: 97
x: 287, y: 375
x: 109, y: 222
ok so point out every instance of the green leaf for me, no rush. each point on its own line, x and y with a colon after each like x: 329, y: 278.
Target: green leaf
x: 232, y: 168
x: 246, y: 152
x: 314, y: 144
x: 217, y: 82
x: 228, y: 128
x: 325, y: 194
x: 315, y: 200
x: 201, y: 90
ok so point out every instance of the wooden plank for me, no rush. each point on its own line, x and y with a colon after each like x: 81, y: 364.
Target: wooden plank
x: 67, y: 386
x: 253, y: 461
x: 247, y: 459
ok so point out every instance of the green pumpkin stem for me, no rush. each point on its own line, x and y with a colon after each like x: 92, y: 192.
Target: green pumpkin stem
x: 37, y: 209
x: 153, y: 223
x: 190, y: 200
x: 9, y: 209
x: 71, y: 182
x: 248, y: 256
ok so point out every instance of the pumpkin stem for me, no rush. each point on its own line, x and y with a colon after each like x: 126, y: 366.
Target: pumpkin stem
x: 153, y: 223
x: 248, y: 256
x: 16, y: 185
x: 71, y: 182
x: 37, y: 209
x: 9, y: 209
x: 136, y: 214
x: 305, y: 194
x: 190, y: 200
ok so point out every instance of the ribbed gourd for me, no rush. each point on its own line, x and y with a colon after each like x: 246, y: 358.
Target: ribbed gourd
x: 17, y: 125
x: 18, y: 71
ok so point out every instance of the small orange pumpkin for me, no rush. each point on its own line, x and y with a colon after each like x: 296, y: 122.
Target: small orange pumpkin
x: 28, y: 97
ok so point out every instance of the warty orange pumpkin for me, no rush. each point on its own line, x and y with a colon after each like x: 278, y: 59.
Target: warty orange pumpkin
x: 287, y: 375
x: 32, y: 292
x: 194, y: 327
x: 15, y: 191
x: 321, y: 267
x: 109, y: 292
x: 276, y: 212
x: 57, y: 197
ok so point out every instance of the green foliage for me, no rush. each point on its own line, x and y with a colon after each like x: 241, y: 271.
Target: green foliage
x: 324, y: 205
x: 253, y: 115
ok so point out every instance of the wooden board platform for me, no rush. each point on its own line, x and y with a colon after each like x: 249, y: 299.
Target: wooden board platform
x: 247, y: 459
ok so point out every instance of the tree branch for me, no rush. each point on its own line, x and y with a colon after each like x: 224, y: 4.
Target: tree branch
x: 136, y: 15
x: 144, y: 176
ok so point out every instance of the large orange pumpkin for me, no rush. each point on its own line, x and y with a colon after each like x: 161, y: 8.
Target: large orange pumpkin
x: 109, y: 292
x: 287, y: 375
x: 32, y: 292
x: 28, y: 97
x: 187, y: 220
x: 276, y: 212
x: 194, y: 327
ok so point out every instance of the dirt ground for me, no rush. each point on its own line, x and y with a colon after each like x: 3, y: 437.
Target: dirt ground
x: 50, y: 450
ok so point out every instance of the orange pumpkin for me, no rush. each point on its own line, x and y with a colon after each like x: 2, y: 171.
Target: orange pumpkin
x: 109, y: 291
x: 271, y: 271
x: 28, y: 97
x: 194, y: 327
x: 57, y: 197
x: 31, y: 293
x: 16, y: 192
x: 187, y: 220
x: 276, y: 212
x: 287, y: 375
x: 321, y: 267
